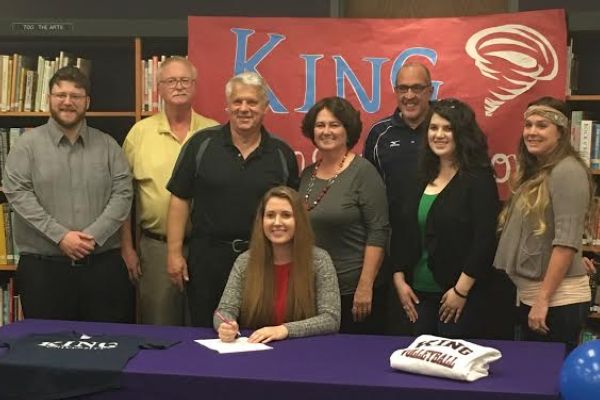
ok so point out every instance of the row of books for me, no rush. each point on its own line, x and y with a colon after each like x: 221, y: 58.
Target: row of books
x: 591, y: 236
x: 8, y: 137
x: 10, y: 303
x: 9, y: 253
x: 585, y: 137
x: 595, y: 288
x: 151, y: 99
x: 24, y: 79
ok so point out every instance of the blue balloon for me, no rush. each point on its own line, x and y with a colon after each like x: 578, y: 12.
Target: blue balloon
x: 580, y: 373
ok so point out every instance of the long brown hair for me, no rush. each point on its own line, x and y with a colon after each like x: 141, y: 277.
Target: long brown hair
x: 530, y: 184
x: 259, y: 286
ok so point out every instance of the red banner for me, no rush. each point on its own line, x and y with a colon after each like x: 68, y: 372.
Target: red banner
x: 496, y: 63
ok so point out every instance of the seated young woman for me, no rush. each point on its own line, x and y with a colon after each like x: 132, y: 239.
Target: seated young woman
x: 282, y: 286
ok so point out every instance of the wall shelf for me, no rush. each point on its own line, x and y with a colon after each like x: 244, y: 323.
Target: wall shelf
x: 8, y: 267
x: 584, y: 97
x: 590, y: 248
x: 88, y: 114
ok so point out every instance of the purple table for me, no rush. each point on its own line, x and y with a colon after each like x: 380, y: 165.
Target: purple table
x: 325, y: 367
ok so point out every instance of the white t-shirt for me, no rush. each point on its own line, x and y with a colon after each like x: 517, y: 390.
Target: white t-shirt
x: 446, y: 358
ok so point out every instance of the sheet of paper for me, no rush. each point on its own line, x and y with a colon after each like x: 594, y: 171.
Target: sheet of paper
x: 240, y: 345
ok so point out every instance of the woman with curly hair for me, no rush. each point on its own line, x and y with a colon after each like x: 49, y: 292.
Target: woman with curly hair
x: 444, y: 250
x: 542, y: 226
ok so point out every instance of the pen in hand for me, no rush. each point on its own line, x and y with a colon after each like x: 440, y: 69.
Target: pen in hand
x: 228, y: 322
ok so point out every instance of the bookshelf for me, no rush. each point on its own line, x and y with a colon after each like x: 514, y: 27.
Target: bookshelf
x: 115, y: 49
x: 584, y: 30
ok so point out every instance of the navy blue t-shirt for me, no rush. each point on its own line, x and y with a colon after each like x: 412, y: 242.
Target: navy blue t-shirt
x: 65, y: 364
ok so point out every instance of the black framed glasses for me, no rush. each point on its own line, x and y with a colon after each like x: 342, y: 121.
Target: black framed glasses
x: 73, y: 96
x: 416, y: 89
x: 173, y: 82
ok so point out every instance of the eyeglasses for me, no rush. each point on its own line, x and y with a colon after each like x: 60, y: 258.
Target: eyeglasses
x: 416, y: 89
x: 172, y: 82
x: 73, y: 96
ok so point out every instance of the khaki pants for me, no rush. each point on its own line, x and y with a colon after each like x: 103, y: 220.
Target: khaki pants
x: 160, y: 302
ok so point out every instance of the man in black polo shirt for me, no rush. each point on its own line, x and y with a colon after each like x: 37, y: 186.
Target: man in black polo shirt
x: 225, y: 171
x: 393, y: 146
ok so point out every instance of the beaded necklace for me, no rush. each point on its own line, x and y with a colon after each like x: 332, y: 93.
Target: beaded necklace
x: 311, y: 183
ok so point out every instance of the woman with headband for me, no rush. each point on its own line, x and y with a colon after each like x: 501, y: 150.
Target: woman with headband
x: 542, y: 226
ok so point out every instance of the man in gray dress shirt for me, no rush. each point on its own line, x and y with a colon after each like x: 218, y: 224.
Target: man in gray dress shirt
x: 70, y: 187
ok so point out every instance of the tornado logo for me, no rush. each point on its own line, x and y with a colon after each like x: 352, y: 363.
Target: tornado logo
x: 516, y: 57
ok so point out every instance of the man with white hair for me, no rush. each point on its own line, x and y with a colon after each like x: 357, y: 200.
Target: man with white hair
x: 224, y: 171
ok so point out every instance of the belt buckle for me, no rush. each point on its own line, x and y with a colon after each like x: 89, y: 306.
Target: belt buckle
x: 238, y: 242
x: 81, y: 262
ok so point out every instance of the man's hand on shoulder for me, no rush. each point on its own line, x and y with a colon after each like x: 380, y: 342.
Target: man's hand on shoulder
x: 76, y: 244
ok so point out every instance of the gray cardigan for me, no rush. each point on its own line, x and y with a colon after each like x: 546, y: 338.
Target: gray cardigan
x: 327, y: 319
x: 523, y: 253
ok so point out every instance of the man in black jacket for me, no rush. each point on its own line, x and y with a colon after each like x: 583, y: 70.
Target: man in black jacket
x: 393, y: 145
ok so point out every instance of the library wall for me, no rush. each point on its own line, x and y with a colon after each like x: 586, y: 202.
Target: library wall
x: 420, y: 9
x: 569, y: 5
x: 137, y: 9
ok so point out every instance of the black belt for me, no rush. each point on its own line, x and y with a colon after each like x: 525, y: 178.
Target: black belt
x: 87, y: 260
x: 156, y: 236
x: 237, y: 245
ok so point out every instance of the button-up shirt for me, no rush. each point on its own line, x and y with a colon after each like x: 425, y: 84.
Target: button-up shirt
x: 56, y: 186
x: 152, y: 149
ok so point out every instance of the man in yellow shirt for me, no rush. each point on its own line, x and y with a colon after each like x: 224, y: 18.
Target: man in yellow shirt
x: 152, y: 146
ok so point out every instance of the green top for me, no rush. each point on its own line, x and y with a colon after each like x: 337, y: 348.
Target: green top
x: 423, y: 278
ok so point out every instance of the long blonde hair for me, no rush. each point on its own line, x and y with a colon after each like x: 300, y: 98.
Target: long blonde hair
x: 259, y: 287
x: 530, y: 183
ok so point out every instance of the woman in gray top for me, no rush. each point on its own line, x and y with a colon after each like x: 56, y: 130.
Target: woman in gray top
x: 542, y: 227
x: 283, y: 286
x: 348, y: 209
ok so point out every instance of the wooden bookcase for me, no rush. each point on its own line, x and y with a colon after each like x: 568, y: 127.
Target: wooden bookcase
x: 115, y: 47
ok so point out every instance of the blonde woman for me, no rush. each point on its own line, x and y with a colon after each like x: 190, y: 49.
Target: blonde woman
x: 542, y: 226
x: 282, y: 286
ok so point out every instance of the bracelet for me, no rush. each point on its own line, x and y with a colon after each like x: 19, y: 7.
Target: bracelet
x: 459, y: 294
